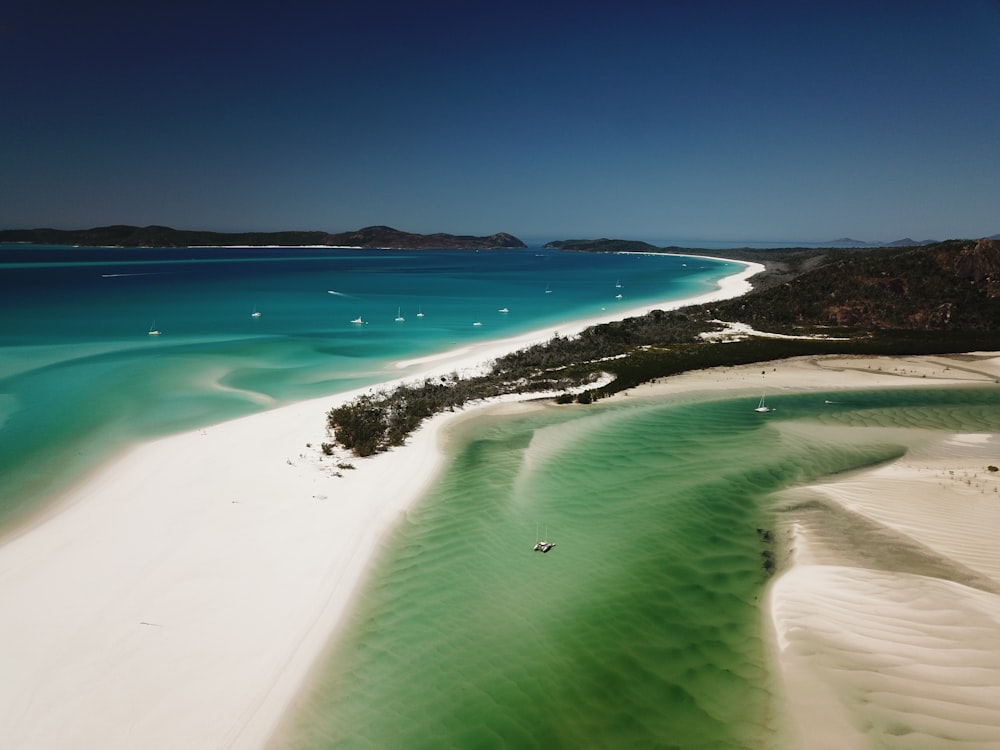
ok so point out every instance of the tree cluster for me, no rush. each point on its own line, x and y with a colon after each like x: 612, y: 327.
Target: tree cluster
x: 376, y: 422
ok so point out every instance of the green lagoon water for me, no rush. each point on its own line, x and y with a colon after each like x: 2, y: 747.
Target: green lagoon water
x: 642, y: 627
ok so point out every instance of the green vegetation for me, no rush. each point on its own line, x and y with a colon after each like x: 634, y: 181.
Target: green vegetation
x: 374, y: 423
x: 937, y: 299
x: 952, y: 286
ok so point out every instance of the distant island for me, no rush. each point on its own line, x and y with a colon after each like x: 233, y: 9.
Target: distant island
x: 377, y: 237
x: 605, y: 245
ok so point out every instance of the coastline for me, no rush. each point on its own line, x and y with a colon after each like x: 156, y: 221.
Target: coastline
x: 884, y: 617
x: 182, y: 594
x: 179, y: 595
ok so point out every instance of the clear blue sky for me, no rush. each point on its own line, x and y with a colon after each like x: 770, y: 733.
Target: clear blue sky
x: 657, y: 120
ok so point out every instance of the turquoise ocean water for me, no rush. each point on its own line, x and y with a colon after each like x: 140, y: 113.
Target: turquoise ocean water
x: 641, y: 629
x: 80, y: 377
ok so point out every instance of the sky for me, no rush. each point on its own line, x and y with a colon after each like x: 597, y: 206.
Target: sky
x: 657, y: 120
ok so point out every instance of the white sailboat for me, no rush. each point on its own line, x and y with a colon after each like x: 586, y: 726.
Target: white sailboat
x: 399, y: 315
x: 762, y: 408
x: 548, y: 289
x: 503, y: 310
x: 420, y: 313
x: 358, y: 320
x: 153, y: 330
x: 255, y: 313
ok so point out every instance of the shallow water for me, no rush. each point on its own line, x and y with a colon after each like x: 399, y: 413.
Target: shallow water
x: 642, y: 627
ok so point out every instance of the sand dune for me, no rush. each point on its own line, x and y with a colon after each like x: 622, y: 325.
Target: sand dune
x: 875, y: 652
x: 888, y: 660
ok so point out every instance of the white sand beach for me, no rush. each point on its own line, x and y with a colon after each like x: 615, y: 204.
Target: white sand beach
x: 178, y: 597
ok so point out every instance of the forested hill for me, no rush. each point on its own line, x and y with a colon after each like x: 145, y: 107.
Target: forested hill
x: 947, y: 286
x: 382, y: 237
x: 781, y: 264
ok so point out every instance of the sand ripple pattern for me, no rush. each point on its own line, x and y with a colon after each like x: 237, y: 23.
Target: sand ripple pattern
x: 643, y: 627
x: 902, y: 661
x: 888, y: 623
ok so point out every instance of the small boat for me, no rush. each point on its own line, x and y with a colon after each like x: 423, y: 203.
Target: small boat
x: 358, y: 320
x: 153, y: 330
x: 503, y: 310
x: 399, y: 315
x: 548, y: 290
x: 420, y: 313
x: 618, y: 284
x: 618, y: 296
x: 477, y: 323
x: 542, y: 545
x: 255, y: 313
x: 762, y: 408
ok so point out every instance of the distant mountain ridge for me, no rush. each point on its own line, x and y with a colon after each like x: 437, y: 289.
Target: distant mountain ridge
x: 907, y: 242
x: 607, y: 245
x: 604, y: 245
x: 375, y: 237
